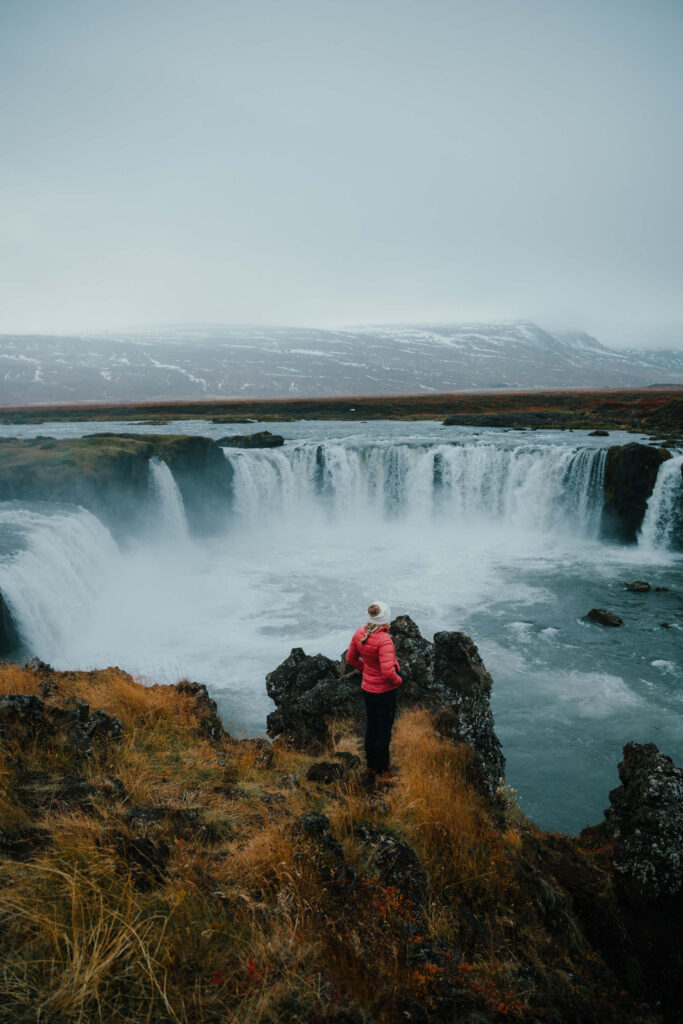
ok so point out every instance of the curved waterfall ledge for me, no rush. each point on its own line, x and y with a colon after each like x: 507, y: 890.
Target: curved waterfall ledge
x: 109, y: 475
x: 529, y: 486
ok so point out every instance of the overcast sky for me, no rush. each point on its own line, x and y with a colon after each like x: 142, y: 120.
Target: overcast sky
x: 323, y: 162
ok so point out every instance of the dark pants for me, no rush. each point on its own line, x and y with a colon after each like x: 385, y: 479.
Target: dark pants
x: 380, y: 709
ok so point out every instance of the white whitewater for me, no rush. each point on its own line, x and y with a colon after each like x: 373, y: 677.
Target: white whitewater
x: 535, y: 487
x: 171, y: 510
x: 52, y: 583
x: 664, y: 513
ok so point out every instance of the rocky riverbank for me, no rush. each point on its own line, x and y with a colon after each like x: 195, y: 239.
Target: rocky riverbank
x: 154, y: 868
x: 657, y: 411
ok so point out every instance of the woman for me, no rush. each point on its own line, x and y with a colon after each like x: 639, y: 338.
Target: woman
x: 373, y: 653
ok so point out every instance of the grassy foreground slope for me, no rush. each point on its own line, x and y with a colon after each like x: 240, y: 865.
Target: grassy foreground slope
x: 152, y: 868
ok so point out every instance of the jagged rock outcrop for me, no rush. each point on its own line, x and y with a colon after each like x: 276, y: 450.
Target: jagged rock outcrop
x: 261, y: 439
x: 209, y: 724
x: 646, y: 819
x: 645, y: 822
x: 447, y: 676
x: 630, y: 475
x: 28, y: 719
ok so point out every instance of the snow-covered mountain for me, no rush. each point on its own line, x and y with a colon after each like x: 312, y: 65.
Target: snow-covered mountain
x: 264, y: 362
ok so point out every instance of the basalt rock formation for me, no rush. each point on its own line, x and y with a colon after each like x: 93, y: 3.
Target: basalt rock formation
x: 646, y: 820
x: 447, y: 676
x: 630, y: 475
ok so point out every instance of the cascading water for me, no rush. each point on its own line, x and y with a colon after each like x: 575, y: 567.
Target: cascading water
x: 663, y: 523
x: 171, y: 510
x: 495, y: 534
x: 529, y: 487
x: 52, y: 583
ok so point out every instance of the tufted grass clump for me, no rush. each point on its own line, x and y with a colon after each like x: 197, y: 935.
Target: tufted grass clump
x: 165, y: 876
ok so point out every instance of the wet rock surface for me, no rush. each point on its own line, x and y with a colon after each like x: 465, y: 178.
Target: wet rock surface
x: 603, y: 617
x: 448, y: 674
x: 638, y: 587
x: 630, y: 475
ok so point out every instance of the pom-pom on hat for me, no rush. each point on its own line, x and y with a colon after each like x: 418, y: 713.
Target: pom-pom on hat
x: 379, y: 613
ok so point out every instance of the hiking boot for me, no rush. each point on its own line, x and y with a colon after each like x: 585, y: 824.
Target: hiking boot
x: 386, y: 777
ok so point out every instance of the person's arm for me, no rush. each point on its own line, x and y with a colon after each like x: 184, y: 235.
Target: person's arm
x: 353, y: 657
x: 387, y: 661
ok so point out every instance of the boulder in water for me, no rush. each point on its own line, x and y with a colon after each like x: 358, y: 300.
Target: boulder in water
x: 599, y: 433
x: 603, y: 617
x: 638, y: 587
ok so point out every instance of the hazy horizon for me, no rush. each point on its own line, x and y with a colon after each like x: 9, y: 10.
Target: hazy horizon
x: 325, y: 164
x: 671, y: 339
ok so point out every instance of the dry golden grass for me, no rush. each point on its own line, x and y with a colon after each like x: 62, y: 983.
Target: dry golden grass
x: 245, y: 922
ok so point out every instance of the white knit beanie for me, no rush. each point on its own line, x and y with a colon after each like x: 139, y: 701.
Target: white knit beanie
x: 383, y: 617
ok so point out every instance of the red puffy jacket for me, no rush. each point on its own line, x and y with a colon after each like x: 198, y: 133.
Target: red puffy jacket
x: 376, y: 659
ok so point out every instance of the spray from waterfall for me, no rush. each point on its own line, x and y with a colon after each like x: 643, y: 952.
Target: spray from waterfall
x: 53, y: 582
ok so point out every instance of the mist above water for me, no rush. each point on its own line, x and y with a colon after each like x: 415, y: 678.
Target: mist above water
x: 495, y: 534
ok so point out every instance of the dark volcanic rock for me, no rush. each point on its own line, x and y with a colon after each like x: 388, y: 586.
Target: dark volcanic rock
x: 646, y: 823
x: 646, y: 817
x: 25, y: 718
x: 599, y: 433
x: 311, y: 691
x: 603, y: 617
x: 393, y: 862
x: 143, y: 857
x: 261, y: 439
x: 206, y: 709
x: 332, y: 771
x: 9, y: 634
x: 638, y: 587
x: 630, y: 474
x: 103, y: 726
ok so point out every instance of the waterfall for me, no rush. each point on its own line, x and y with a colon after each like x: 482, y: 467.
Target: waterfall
x: 663, y: 522
x: 171, y: 511
x: 537, y: 487
x: 51, y: 582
